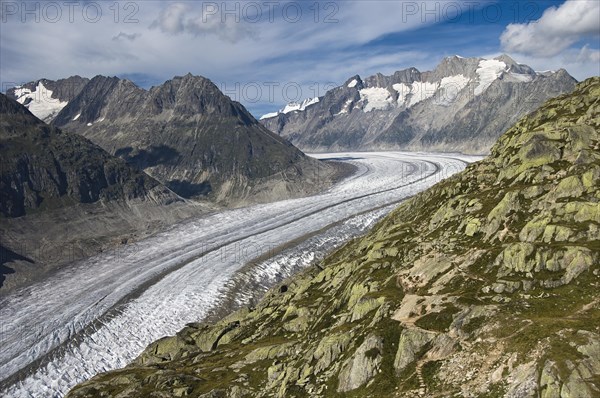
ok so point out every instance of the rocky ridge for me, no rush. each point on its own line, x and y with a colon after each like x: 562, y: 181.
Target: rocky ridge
x: 191, y: 137
x: 485, y: 285
x: 45, y: 168
x: 46, y: 98
x: 463, y: 105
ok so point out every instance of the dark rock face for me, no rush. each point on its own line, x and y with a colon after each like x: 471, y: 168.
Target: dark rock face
x: 462, y: 105
x: 45, y: 168
x: 191, y: 137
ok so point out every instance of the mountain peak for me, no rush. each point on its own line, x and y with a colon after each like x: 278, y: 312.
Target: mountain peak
x: 45, y: 98
x: 190, y: 77
x: 354, y: 81
x: 507, y: 59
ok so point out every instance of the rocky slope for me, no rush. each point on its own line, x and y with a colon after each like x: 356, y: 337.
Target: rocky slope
x: 58, y: 188
x: 485, y: 285
x: 44, y: 168
x: 190, y: 136
x: 464, y: 104
x: 46, y: 98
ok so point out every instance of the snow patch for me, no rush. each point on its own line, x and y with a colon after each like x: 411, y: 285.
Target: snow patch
x: 269, y: 115
x: 345, y: 108
x: 77, y: 117
x: 488, y: 71
x: 89, y: 124
x: 293, y: 107
x: 450, y: 87
x: 522, y: 77
x: 376, y: 98
x: 40, y: 102
x: 353, y: 83
x: 420, y: 91
x: 403, y: 91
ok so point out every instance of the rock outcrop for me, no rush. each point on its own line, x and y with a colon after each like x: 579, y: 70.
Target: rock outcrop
x: 464, y: 105
x: 485, y: 285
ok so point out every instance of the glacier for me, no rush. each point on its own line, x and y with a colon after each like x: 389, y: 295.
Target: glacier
x: 100, y: 313
x: 40, y: 101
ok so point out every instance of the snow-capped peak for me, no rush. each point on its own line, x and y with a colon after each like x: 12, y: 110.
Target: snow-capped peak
x: 39, y: 101
x: 292, y: 107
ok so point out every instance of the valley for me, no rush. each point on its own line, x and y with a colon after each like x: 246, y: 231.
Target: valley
x: 101, y: 313
x: 337, y: 199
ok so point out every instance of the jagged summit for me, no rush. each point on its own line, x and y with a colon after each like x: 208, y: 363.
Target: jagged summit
x: 193, y: 138
x: 464, y: 104
x: 46, y: 98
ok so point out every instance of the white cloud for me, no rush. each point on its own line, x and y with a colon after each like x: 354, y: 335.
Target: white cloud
x: 173, y: 38
x: 126, y: 36
x: 589, y: 55
x: 179, y: 18
x: 557, y: 29
x: 172, y: 18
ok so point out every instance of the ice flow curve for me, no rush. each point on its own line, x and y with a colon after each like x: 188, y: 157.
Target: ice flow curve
x: 101, y: 313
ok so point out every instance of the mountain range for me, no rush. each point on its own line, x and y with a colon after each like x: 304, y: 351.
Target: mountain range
x: 463, y: 105
x: 188, y: 135
x: 485, y: 285
x: 118, y: 163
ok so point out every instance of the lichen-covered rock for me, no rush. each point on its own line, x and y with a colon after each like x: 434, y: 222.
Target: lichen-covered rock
x: 570, y: 187
x: 508, y: 204
x: 329, y: 350
x: 411, y: 344
x: 473, y: 226
x: 523, y: 381
x: 365, y: 306
x: 535, y: 228
x: 362, y: 366
x: 550, y: 381
x: 517, y: 257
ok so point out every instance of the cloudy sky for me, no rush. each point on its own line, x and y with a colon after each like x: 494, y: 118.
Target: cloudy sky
x: 267, y: 53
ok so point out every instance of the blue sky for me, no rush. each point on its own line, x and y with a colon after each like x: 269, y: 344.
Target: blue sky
x: 265, y: 54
